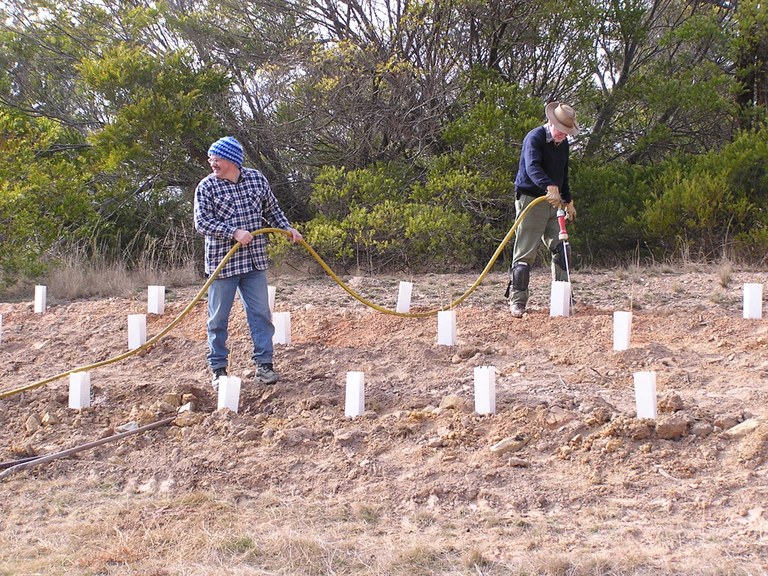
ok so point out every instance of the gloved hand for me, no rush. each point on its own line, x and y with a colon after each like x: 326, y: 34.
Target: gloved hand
x: 570, y: 211
x: 553, y: 196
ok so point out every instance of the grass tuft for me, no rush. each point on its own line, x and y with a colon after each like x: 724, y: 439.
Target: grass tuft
x: 724, y: 274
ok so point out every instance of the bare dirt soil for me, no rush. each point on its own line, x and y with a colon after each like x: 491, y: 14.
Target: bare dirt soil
x: 289, y: 485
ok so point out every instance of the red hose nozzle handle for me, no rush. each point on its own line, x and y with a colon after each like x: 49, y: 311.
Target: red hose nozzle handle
x: 561, y: 221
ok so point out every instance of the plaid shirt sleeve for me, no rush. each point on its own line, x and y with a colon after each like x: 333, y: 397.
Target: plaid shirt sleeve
x: 221, y: 207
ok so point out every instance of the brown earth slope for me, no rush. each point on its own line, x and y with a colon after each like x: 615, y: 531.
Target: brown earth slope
x: 288, y: 485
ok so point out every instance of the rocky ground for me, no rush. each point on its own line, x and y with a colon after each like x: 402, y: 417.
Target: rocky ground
x: 562, y: 479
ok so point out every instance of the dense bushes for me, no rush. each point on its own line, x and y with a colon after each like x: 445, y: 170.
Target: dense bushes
x: 369, y: 219
x: 447, y: 213
x: 43, y: 193
x: 609, y: 199
x: 710, y: 207
x: 713, y: 207
x: 704, y: 207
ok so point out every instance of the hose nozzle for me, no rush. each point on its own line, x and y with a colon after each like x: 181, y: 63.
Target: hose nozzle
x: 561, y: 220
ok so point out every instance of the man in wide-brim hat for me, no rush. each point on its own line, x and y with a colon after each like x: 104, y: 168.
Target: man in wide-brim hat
x: 562, y: 117
x: 542, y: 171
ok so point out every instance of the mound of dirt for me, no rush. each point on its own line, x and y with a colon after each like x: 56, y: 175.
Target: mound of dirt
x: 562, y: 478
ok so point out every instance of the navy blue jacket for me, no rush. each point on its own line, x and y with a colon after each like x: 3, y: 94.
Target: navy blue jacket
x: 542, y: 163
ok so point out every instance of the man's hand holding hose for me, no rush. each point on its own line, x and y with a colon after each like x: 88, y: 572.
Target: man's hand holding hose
x: 553, y: 196
x: 245, y: 237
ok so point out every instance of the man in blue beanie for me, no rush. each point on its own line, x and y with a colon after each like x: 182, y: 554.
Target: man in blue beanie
x: 230, y: 203
x: 542, y: 171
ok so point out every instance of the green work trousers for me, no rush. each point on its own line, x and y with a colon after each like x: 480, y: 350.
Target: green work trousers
x: 539, y: 225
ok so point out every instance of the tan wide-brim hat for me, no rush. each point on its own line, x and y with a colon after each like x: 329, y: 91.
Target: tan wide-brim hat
x: 563, y: 117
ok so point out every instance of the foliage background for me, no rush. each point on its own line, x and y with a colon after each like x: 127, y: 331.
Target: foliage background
x: 390, y: 132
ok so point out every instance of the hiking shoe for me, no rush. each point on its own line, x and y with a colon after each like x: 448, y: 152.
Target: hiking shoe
x: 517, y: 310
x: 265, y: 374
x: 216, y: 374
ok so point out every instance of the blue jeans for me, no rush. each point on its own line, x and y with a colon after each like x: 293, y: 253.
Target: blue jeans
x: 252, y: 287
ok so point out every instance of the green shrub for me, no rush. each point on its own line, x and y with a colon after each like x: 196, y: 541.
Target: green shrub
x: 336, y: 190
x: 713, y: 208
x: 393, y: 235
x: 608, y: 200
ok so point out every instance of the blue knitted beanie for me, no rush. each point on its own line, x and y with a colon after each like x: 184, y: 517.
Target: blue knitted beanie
x: 229, y: 149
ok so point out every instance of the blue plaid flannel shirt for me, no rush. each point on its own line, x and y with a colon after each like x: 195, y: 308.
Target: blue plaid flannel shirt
x: 221, y: 207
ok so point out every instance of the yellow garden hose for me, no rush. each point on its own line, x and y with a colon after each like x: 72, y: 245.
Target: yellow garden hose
x: 325, y: 267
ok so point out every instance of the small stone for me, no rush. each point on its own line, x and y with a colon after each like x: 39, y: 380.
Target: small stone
x: 671, y: 429
x: 166, y: 407
x: 670, y: 403
x: 437, y: 442
x: 172, y: 398
x: 742, y: 429
x: 186, y: 419
x: 127, y: 427
x: 511, y: 444
x: 702, y: 429
x: 452, y: 401
x: 32, y: 423
x: 49, y: 419
x: 346, y: 437
x: 249, y: 434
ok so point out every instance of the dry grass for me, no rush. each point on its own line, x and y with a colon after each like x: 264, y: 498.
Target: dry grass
x: 724, y: 274
x: 74, y: 278
x: 94, y: 530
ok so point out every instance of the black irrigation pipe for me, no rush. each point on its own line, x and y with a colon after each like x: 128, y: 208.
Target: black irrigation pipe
x: 11, y: 463
x: 25, y: 463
